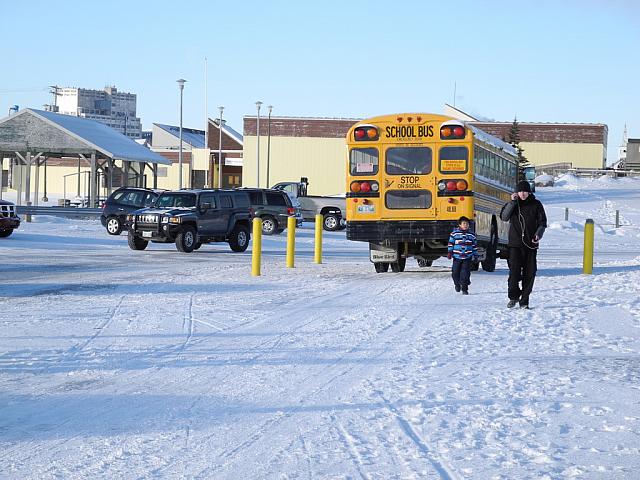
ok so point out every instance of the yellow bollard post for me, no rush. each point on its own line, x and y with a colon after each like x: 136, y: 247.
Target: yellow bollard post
x: 291, y: 241
x: 256, y: 252
x: 587, y: 267
x: 318, y: 250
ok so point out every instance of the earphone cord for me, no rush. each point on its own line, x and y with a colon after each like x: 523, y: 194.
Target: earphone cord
x: 521, y: 220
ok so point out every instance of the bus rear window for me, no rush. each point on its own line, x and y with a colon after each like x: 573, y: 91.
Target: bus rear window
x: 407, y: 199
x: 408, y: 161
x: 363, y: 161
x: 454, y: 160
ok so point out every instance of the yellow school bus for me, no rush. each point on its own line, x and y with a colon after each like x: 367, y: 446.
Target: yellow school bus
x: 411, y: 176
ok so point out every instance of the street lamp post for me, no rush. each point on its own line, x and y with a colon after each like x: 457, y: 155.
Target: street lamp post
x: 258, y: 104
x: 220, y: 149
x: 181, y: 83
x: 270, y: 107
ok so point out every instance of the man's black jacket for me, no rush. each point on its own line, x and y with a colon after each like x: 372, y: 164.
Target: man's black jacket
x: 527, y: 215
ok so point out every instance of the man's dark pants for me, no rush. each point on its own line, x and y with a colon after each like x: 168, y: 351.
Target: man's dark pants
x: 461, y: 272
x: 522, y: 268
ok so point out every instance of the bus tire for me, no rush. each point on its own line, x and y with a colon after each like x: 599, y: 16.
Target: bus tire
x: 489, y: 262
x: 423, y: 262
x: 398, y: 266
x: 381, y: 267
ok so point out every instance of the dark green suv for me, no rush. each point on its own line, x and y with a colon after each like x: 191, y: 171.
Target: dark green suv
x: 193, y: 217
x: 273, y: 207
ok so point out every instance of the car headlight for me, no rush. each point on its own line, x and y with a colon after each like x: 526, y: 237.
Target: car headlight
x: 130, y: 218
x: 165, y: 220
x: 174, y: 219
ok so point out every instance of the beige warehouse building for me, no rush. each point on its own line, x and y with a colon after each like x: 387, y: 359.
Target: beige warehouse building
x: 295, y: 147
x: 583, y: 145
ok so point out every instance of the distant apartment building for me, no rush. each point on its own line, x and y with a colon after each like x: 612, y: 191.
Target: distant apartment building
x: 109, y: 106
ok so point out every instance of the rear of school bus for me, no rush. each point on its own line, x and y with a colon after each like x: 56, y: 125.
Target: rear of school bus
x: 409, y: 180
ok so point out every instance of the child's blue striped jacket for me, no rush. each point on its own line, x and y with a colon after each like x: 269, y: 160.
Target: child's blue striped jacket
x: 462, y: 244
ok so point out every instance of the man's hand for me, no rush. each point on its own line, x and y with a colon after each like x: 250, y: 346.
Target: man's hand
x: 514, y: 196
x: 449, y: 256
x: 536, y: 239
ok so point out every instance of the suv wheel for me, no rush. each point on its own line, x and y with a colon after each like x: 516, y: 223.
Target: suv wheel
x: 186, y: 240
x: 136, y: 243
x: 239, y: 238
x: 331, y: 222
x: 114, y: 226
x: 269, y: 225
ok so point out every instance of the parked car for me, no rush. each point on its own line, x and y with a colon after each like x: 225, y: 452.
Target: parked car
x: 273, y: 207
x: 121, y: 203
x: 9, y: 221
x: 193, y: 217
x: 332, y: 208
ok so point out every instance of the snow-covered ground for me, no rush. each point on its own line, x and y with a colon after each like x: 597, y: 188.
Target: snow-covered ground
x: 156, y: 364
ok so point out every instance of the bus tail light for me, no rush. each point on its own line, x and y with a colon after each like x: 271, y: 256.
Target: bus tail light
x: 366, y: 133
x: 452, y: 131
x: 452, y: 185
x: 364, y: 186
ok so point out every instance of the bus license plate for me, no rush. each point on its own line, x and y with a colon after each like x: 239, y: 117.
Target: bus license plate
x: 366, y: 209
x: 146, y: 234
x: 382, y: 254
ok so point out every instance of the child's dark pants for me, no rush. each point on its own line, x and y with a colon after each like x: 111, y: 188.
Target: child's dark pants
x: 461, y: 273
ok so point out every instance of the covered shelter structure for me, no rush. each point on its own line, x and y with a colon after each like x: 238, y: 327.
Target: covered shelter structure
x: 31, y: 137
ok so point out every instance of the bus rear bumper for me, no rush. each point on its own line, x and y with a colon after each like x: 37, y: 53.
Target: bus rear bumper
x: 400, y: 231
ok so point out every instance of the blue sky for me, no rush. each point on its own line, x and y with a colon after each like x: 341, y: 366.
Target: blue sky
x: 542, y: 61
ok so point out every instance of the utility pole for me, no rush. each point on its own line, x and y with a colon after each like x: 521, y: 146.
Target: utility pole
x: 181, y: 83
x: 55, y: 92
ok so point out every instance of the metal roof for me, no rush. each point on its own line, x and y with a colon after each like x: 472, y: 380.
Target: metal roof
x: 493, y: 140
x: 193, y: 137
x: 99, y: 136
x: 229, y: 131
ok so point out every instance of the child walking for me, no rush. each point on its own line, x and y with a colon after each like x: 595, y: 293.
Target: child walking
x: 463, y: 249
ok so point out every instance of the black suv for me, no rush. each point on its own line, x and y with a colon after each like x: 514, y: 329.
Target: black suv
x: 193, y: 217
x: 273, y: 207
x: 9, y: 221
x: 121, y: 203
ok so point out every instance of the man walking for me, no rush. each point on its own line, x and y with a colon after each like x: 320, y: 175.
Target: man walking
x: 528, y: 222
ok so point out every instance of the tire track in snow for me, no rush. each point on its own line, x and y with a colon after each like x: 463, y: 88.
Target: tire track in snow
x: 445, y: 471
x: 73, y: 351
x: 330, y: 374
x: 348, y: 441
